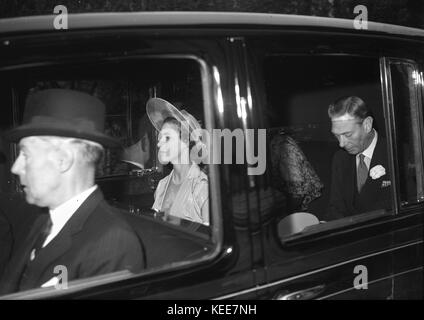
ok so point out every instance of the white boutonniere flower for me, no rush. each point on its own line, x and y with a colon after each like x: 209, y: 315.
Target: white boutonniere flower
x: 377, y: 172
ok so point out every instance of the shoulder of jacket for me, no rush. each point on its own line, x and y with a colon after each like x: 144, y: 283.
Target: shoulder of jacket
x: 341, y: 154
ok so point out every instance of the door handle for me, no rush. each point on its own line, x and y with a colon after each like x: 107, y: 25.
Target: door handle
x: 300, y: 295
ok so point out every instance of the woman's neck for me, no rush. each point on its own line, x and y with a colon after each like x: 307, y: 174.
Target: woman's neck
x: 180, y: 172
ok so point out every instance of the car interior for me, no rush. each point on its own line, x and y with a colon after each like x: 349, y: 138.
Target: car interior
x: 299, y: 90
x: 129, y: 176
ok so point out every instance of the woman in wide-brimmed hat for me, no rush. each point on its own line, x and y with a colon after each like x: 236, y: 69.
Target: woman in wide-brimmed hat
x: 183, y: 193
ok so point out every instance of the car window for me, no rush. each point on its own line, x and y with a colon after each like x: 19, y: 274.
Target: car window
x: 129, y: 177
x: 406, y: 82
x: 313, y: 156
x: 5, y: 124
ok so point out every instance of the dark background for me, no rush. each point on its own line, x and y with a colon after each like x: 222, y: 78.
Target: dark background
x: 403, y: 12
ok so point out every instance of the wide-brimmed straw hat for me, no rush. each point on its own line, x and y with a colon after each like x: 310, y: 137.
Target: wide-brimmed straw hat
x: 64, y: 113
x: 159, y: 109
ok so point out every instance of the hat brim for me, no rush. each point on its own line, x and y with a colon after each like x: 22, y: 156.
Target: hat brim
x: 27, y: 130
x: 158, y: 110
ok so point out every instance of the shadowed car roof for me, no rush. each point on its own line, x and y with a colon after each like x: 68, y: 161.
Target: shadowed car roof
x: 198, y: 19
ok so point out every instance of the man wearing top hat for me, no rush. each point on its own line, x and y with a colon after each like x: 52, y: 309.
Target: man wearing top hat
x: 60, y: 143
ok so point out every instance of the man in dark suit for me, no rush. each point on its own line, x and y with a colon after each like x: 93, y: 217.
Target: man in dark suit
x: 360, y: 176
x: 61, y: 142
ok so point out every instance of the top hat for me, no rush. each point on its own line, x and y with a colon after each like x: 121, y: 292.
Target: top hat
x: 64, y: 113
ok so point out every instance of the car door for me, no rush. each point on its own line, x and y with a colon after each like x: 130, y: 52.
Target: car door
x: 124, y: 68
x: 306, y: 255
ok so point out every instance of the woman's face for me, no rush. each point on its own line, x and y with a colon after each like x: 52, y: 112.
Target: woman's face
x: 171, y: 147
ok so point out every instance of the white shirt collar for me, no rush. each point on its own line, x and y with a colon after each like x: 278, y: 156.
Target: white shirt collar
x: 65, y: 211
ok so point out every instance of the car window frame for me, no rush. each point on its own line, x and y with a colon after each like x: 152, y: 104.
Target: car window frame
x: 215, y: 202
x: 404, y: 207
x: 351, y: 224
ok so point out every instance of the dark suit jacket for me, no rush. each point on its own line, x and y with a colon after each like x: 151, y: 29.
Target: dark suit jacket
x: 96, y: 240
x: 6, y: 240
x: 344, y: 198
x: 16, y: 220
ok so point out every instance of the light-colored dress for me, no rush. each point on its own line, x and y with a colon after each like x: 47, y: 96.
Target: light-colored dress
x: 191, y: 196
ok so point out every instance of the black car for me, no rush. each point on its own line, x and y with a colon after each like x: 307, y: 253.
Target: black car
x: 258, y: 81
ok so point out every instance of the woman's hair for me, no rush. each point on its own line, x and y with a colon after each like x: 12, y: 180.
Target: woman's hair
x: 177, y: 123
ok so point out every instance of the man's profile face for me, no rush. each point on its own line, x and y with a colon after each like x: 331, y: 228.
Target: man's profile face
x: 37, y: 170
x: 351, y: 132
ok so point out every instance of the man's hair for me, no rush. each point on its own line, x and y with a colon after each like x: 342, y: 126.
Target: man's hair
x: 89, y: 151
x: 352, y: 105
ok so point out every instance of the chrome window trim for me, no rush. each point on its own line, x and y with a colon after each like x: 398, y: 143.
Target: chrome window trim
x: 390, y: 123
x: 393, y: 154
x: 217, y: 20
x: 371, y: 282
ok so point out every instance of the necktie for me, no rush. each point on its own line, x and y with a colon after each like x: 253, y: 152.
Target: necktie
x: 41, y: 238
x: 362, y: 172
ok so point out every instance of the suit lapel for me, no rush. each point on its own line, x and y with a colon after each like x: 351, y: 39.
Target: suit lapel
x: 379, y: 157
x: 42, y: 266
x: 380, y: 154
